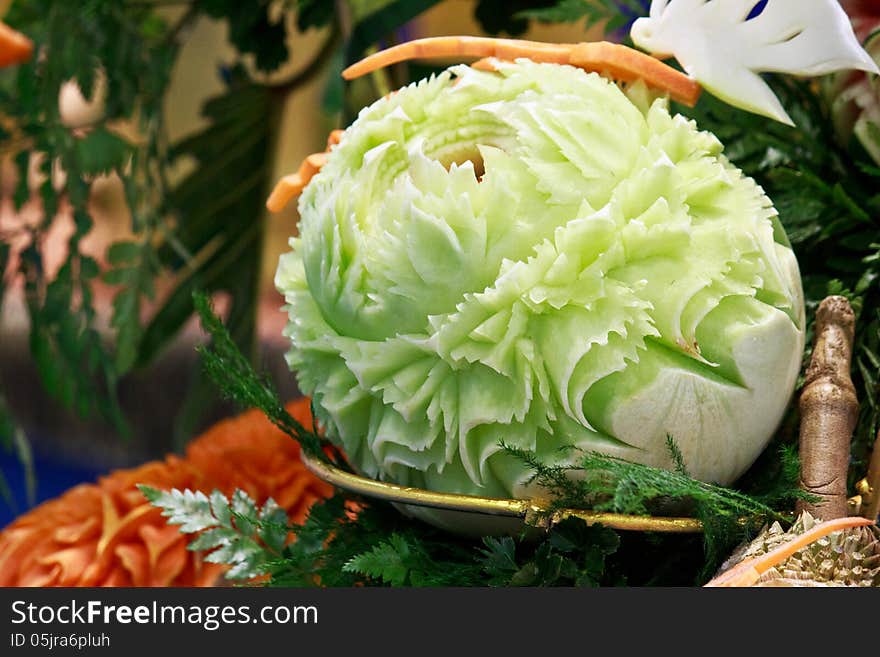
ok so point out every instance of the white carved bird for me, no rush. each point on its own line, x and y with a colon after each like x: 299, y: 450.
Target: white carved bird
x: 718, y: 45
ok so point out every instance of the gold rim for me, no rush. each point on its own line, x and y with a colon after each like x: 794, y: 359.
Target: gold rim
x: 527, y: 510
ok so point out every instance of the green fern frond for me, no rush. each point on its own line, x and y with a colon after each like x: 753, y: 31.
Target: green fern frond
x: 236, y: 378
x: 389, y: 562
x: 235, y: 532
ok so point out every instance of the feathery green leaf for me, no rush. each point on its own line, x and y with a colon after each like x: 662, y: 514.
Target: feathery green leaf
x: 233, y: 532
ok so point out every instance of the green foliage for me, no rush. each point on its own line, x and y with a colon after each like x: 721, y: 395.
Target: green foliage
x: 236, y: 378
x: 333, y: 545
x: 503, y: 16
x: 67, y: 348
x: 774, y: 479
x: 571, y: 554
x: 235, y: 532
x: 393, y: 562
x: 127, y: 45
x: 677, y: 457
x: 251, y: 31
x: 134, y: 268
x: 605, y: 483
x: 217, y: 245
x: 613, y: 13
x: 101, y: 152
x: 380, y: 546
x: 376, y: 25
x: 313, y: 13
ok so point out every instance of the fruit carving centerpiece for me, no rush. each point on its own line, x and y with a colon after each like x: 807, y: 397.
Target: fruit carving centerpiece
x: 525, y: 253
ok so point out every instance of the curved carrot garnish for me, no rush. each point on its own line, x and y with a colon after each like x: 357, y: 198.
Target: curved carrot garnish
x: 291, y: 186
x: 615, y: 60
x: 748, y: 572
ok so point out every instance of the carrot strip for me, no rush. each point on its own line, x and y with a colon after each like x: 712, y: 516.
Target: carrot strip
x: 291, y: 186
x: 334, y: 138
x: 458, y: 46
x: 15, y: 47
x: 486, y: 64
x: 627, y: 64
x: 748, y: 572
x: 619, y: 61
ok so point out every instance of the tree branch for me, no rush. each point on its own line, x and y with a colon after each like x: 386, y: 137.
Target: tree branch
x: 829, y: 411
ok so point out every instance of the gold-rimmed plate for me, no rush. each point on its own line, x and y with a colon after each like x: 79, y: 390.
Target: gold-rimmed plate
x: 453, y: 508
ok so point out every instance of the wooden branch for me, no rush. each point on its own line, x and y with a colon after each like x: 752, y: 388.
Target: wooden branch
x: 829, y: 411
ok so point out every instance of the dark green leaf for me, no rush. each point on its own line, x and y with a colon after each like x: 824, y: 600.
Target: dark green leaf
x: 613, y: 13
x: 387, y: 562
x: 563, y: 11
x: 219, y: 229
x: 120, y: 253
x: 136, y: 268
x: 497, y: 16
x: 251, y: 31
x: 381, y: 23
x: 499, y: 559
x: 88, y: 267
x: 101, y: 151
x: 333, y: 99
x: 313, y: 13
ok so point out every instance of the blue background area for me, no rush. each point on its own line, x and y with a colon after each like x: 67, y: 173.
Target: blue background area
x: 53, y: 477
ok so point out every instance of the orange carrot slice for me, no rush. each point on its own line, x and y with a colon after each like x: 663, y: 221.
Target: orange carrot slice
x: 614, y: 59
x: 459, y: 46
x: 486, y: 64
x: 334, y: 137
x: 291, y: 186
x: 626, y: 64
x: 15, y: 47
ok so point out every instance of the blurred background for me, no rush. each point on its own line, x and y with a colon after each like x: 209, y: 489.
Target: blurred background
x: 138, y: 146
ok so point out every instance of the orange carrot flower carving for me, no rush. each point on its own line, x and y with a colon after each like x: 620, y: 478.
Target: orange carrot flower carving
x: 107, y: 534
